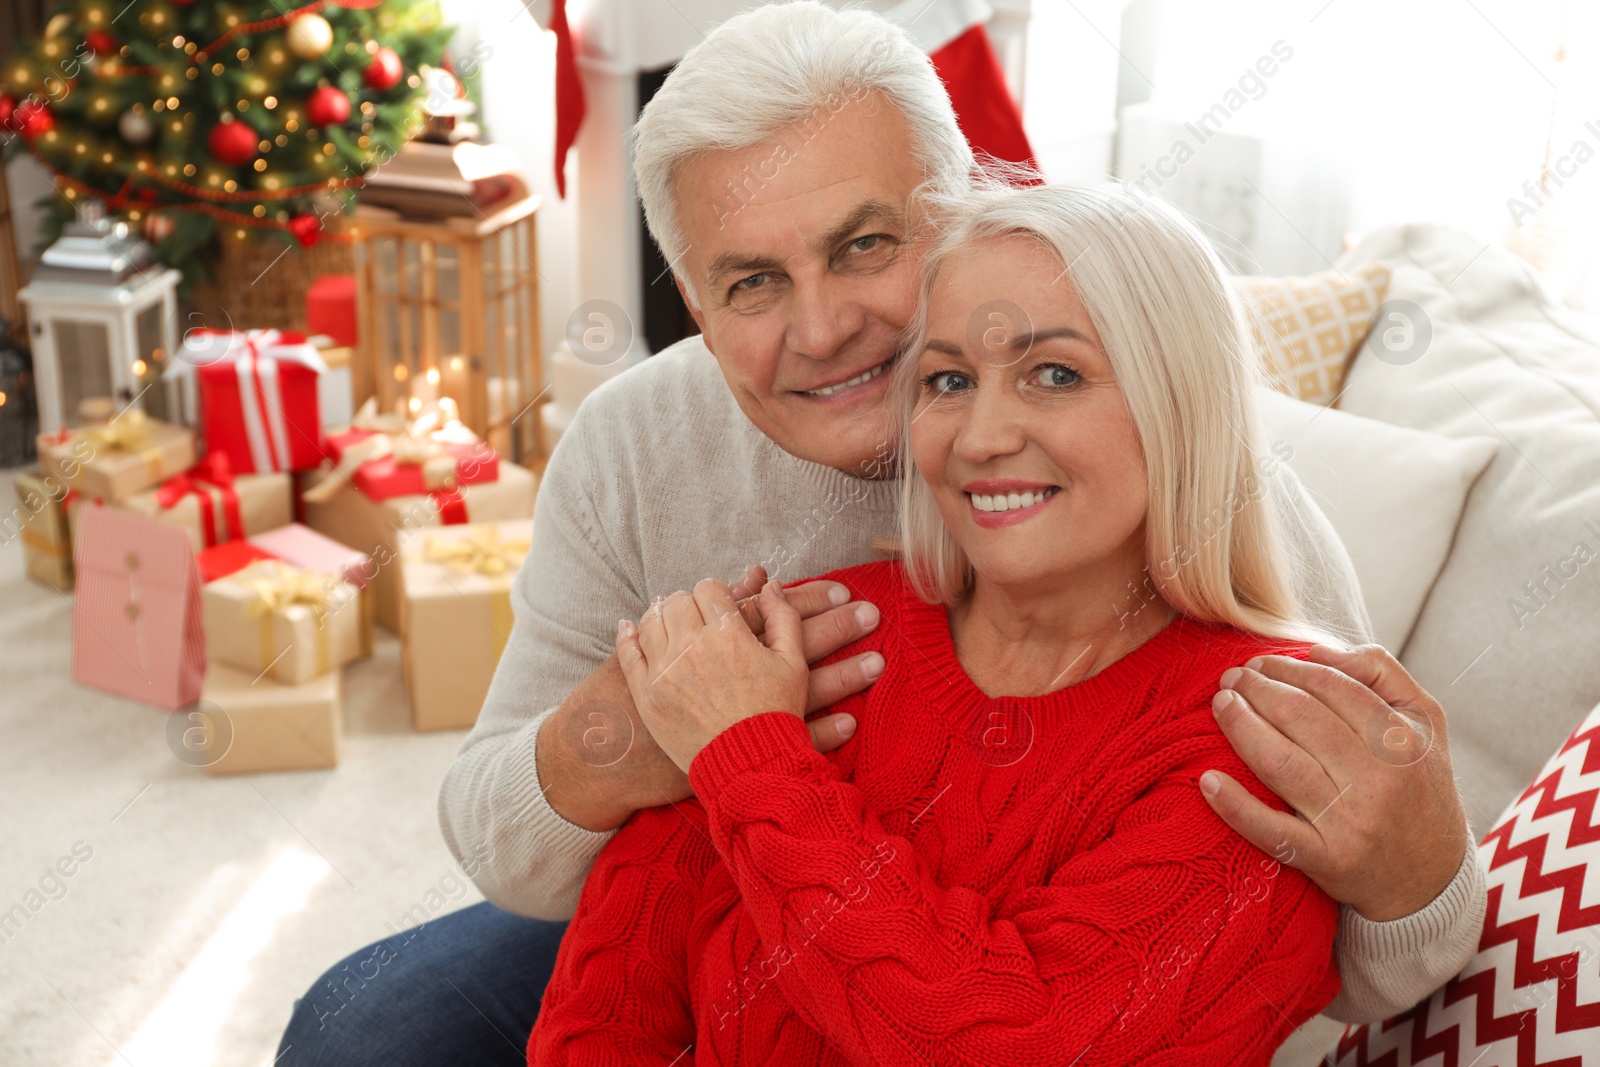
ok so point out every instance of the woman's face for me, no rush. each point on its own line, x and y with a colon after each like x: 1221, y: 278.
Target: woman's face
x: 1020, y: 429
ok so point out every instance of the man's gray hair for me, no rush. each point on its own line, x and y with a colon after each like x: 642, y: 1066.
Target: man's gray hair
x: 778, y: 66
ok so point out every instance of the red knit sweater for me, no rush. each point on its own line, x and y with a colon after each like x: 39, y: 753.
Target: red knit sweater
x: 967, y: 881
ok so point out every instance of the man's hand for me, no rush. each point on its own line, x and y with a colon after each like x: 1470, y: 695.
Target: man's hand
x: 598, y: 764
x: 1359, y: 751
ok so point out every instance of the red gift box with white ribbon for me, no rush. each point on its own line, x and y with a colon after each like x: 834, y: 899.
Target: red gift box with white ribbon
x: 257, y: 396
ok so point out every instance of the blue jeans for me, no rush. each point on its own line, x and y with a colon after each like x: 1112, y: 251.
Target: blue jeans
x: 464, y: 988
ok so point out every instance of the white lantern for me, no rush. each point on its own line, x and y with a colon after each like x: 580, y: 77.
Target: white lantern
x: 104, y: 320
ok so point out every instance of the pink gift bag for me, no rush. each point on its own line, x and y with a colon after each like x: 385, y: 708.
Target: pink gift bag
x: 136, y: 613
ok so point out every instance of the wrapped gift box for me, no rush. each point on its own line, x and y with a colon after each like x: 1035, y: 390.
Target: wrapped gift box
x: 257, y: 397
x: 331, y: 308
x: 335, y: 389
x: 305, y: 547
x: 114, y: 460
x: 456, y: 616
x: 408, y: 466
x: 136, y: 627
x: 381, y: 528
x: 273, y: 617
x: 219, y: 561
x: 266, y: 726
x: 46, y: 540
x: 214, y: 506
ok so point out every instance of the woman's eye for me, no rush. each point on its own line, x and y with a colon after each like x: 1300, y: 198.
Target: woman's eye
x: 1056, y: 376
x: 948, y: 381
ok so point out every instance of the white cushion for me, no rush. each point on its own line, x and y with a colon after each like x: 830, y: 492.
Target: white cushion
x: 1531, y: 994
x: 1514, y: 666
x: 1393, y: 494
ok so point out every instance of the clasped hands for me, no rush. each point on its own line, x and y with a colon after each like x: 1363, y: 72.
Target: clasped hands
x: 695, y: 665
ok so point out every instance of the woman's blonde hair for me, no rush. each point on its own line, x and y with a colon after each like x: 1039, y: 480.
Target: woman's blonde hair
x: 1177, y: 340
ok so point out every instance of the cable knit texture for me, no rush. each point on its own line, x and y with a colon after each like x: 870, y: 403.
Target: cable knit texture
x: 967, y: 881
x: 660, y: 481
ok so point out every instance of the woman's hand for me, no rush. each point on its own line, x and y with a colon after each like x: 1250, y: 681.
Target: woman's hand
x: 694, y: 668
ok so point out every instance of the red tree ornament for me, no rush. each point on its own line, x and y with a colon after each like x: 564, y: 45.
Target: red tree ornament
x: 232, y: 142
x: 385, y: 70
x: 327, y: 106
x: 33, y: 117
x: 306, y: 229
x: 8, y: 107
x: 101, y: 42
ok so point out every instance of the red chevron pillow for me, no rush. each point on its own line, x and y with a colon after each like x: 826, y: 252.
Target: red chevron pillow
x: 1531, y: 996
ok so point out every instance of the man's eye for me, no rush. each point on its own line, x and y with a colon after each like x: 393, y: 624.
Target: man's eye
x: 867, y: 243
x: 755, y: 281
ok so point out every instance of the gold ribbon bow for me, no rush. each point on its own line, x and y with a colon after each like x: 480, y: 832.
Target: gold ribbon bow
x: 480, y: 552
x: 277, y: 588
x: 128, y: 432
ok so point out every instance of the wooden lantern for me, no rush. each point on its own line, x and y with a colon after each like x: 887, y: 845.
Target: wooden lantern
x: 450, y: 307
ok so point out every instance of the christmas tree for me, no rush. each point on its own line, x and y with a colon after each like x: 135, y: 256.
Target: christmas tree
x: 186, y: 115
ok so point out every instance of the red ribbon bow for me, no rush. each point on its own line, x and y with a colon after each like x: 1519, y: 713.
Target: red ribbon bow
x: 212, y: 472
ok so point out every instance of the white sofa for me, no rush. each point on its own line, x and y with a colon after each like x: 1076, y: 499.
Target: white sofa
x: 1470, y: 503
x: 1479, y: 555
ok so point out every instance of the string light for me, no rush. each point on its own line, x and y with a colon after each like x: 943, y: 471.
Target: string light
x: 166, y: 78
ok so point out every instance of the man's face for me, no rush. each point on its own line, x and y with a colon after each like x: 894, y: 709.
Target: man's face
x: 800, y: 260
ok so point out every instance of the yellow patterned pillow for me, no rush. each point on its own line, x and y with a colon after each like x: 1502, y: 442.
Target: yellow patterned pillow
x: 1307, y: 329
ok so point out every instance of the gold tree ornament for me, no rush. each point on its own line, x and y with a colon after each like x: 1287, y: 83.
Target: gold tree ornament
x: 309, y: 36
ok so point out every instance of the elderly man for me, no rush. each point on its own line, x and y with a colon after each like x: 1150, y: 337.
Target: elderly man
x: 778, y: 167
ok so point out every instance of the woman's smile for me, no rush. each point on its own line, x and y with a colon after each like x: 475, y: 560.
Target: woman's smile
x: 1006, y: 502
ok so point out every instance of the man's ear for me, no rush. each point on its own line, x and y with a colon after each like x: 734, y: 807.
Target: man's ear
x: 694, y: 312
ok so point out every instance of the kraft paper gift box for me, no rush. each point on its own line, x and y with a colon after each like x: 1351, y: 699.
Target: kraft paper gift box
x: 381, y: 528
x: 291, y: 623
x: 214, y: 505
x: 256, y: 392
x: 303, y: 547
x: 46, y: 540
x: 262, y: 725
x: 114, y: 460
x: 456, y: 614
x: 136, y: 616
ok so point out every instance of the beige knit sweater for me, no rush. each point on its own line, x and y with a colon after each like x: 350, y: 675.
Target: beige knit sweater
x: 661, y: 481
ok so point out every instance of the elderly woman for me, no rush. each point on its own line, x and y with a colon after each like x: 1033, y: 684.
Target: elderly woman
x: 1009, y: 862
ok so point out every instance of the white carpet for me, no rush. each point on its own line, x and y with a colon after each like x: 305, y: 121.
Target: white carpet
x: 158, y: 954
